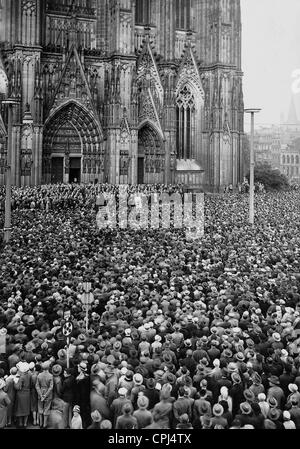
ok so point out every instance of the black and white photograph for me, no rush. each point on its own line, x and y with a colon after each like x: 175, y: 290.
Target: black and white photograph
x: 149, y: 219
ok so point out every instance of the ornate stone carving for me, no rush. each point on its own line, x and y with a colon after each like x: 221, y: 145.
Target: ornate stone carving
x: 185, y: 98
x: 29, y: 7
x: 189, y: 73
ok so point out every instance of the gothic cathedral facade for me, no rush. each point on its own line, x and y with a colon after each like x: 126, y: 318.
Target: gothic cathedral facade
x: 123, y: 91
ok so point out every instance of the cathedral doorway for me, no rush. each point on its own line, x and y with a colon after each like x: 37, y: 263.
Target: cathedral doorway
x: 72, y: 146
x: 57, y: 170
x: 151, y: 156
x: 75, y: 170
x: 141, y: 170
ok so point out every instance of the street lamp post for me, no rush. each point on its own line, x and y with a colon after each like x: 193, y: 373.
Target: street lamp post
x: 252, y: 163
x: 7, y: 221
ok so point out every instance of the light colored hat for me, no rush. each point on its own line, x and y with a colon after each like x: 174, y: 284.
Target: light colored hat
x: 218, y: 410
x: 96, y: 417
x: 143, y: 402
x: 122, y: 391
x: 76, y: 408
x: 276, y: 336
x: 138, y: 379
x: 23, y: 367
x: 293, y: 388
x: 286, y: 415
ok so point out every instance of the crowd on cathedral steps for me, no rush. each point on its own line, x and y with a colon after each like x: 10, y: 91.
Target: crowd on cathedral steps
x: 182, y: 334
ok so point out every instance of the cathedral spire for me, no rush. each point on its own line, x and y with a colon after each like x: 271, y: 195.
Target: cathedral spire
x: 292, y: 116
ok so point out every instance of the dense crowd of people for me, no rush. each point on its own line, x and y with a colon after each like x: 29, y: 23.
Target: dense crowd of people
x: 182, y: 334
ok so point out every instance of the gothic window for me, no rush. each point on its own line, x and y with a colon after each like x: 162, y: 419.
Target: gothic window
x: 297, y: 159
x: 283, y: 159
x: 185, y: 119
x: 183, y: 14
x: 142, y: 14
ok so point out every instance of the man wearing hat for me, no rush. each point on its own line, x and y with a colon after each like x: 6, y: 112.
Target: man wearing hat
x: 143, y: 416
x: 218, y: 419
x: 295, y: 412
x: 20, y: 336
x: 111, y: 383
x: 287, y: 421
x: 14, y: 358
x: 257, y: 386
x: 245, y: 415
x: 97, y: 399
x: 96, y: 420
x: 151, y: 392
x: 294, y: 394
x: 182, y: 405
x: 82, y: 393
x: 236, y: 392
x: 138, y: 388
x: 276, y: 391
x: 67, y: 394
x: 126, y: 420
x: 118, y: 403
x: 44, y: 387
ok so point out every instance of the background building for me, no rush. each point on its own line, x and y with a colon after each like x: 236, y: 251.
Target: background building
x: 123, y: 91
x: 267, y: 146
x: 290, y: 161
x: 279, y: 145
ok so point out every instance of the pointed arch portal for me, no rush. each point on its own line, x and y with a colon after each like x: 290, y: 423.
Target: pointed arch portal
x: 72, y: 150
x: 151, y: 156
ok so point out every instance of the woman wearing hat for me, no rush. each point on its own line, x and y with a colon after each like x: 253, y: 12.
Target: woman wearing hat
x: 224, y: 396
x: 76, y: 422
x: 4, y: 403
x: 23, y: 386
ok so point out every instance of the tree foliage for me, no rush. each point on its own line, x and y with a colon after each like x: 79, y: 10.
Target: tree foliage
x: 272, y: 178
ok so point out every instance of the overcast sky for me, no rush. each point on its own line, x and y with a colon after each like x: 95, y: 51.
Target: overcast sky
x: 271, y: 53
